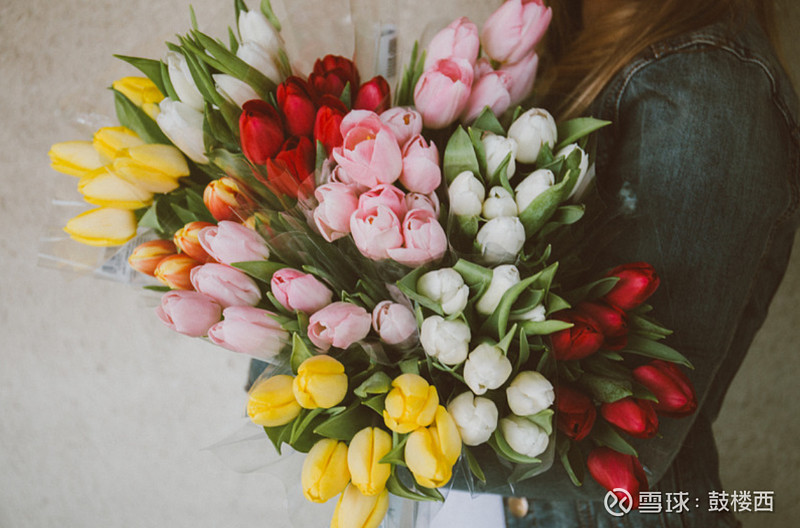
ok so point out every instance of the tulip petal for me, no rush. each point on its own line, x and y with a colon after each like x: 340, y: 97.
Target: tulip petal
x: 75, y: 158
x: 103, y: 227
x: 104, y: 188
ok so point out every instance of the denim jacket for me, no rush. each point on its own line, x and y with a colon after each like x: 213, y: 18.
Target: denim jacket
x: 701, y: 163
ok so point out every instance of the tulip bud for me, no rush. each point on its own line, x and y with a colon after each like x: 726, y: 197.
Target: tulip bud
x: 332, y: 73
x: 486, y: 368
x: 637, y: 282
x: 226, y: 199
x: 146, y: 256
x: 522, y: 75
x: 183, y: 125
x: 175, y: 271
x: 142, y: 92
x: 583, y: 168
x: 445, y: 286
x: 154, y: 168
x: 234, y: 90
x: 466, y: 195
x: 356, y: 510
x: 431, y: 452
x: 339, y: 324
x: 497, y: 149
x: 499, y: 203
x: 76, y: 158
x: 272, y: 403
x: 404, y: 122
x: 583, y: 339
x: 295, y: 102
x: 182, y: 81
x: 410, y: 404
x: 531, y: 187
x: 524, y: 436
x: 447, y: 341
x: 111, y: 141
x: 514, y: 29
x: 531, y: 130
x: 260, y: 59
x: 612, y: 470
x: 337, y: 202
x: 186, y: 238
x: 421, y: 172
x: 229, y: 286
x: 576, y: 413
x: 610, y: 320
x: 490, y: 90
x: 369, y: 153
x: 442, y: 91
x: 475, y: 417
x: 429, y: 202
x: 386, y: 195
x: 230, y: 242
x: 289, y: 172
x: 635, y: 417
x: 320, y: 383
x: 255, y: 28
x: 530, y: 393
x: 105, y: 188
x: 375, y: 231
x: 328, y: 122
x: 675, y: 393
x: 538, y: 313
x: 189, y: 313
x: 501, y: 239
x: 250, y: 331
x: 104, y: 226
x: 261, y: 131
x: 367, y: 448
x: 424, y: 240
x: 394, y: 322
x: 325, y: 472
x: 373, y: 95
x: 295, y: 290
x: 503, y: 278
x: 459, y: 39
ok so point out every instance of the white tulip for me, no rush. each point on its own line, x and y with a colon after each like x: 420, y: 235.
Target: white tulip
x: 503, y: 278
x: 535, y: 184
x: 255, y: 28
x: 531, y: 130
x: 234, y: 90
x: 538, y: 314
x: 182, y: 81
x: 466, y: 195
x: 475, y: 417
x: 530, y: 393
x: 500, y: 239
x: 445, y: 286
x: 183, y: 125
x: 486, y: 368
x: 499, y: 203
x: 445, y: 340
x: 497, y: 148
x: 581, y: 183
x: 524, y: 436
x: 260, y: 59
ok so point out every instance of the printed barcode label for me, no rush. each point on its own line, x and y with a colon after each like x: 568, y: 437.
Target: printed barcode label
x: 387, y: 51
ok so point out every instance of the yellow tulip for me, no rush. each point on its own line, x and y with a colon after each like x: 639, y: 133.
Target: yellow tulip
x: 431, y: 452
x: 272, y: 402
x: 356, y: 510
x: 75, y: 158
x: 410, y: 404
x: 367, y: 448
x: 320, y: 382
x: 104, y: 226
x: 154, y: 168
x: 103, y: 187
x: 325, y: 472
x: 142, y: 92
x: 110, y: 141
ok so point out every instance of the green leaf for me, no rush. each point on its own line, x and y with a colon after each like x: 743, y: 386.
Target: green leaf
x: 640, y: 392
x: 572, y: 460
x: 345, y: 425
x: 158, y: 288
x: 279, y: 435
x: 409, y: 366
x: 593, y: 290
x: 232, y: 42
x: 474, y: 466
x: 545, y: 156
x: 653, y: 349
x: 184, y: 214
x: 524, y: 350
x: 377, y: 383
x: 151, y: 68
x: 345, y: 96
x: 556, y: 303
x: 607, y: 390
x: 193, y: 17
x: 395, y: 456
x: 574, y: 129
x: 645, y: 324
x: 408, y: 285
x: 604, y: 367
x: 544, y: 419
x: 261, y: 270
x: 170, y: 90
x: 547, y: 327
x: 133, y: 117
x: 477, y: 145
x: 266, y: 8
x: 376, y: 403
x: 300, y: 352
x: 302, y: 423
x: 488, y: 121
x: 223, y: 60
x: 396, y: 487
x: 459, y: 156
x: 605, y: 435
x: 475, y: 275
x: 524, y: 471
x: 542, y: 208
x: 498, y: 442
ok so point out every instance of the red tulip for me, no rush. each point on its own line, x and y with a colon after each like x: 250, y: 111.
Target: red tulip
x: 635, y: 417
x: 637, y: 282
x: 227, y: 199
x: 186, y: 239
x: 576, y: 413
x: 261, y: 131
x: 292, y: 167
x: 611, y: 320
x: 296, y: 102
x: 675, y: 393
x: 614, y: 470
x: 332, y: 73
x: 373, y: 95
x: 582, y: 340
x: 328, y: 120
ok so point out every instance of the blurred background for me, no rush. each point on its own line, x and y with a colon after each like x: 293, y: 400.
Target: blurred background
x: 107, y: 414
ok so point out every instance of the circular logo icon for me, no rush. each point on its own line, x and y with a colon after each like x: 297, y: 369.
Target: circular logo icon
x: 618, y: 506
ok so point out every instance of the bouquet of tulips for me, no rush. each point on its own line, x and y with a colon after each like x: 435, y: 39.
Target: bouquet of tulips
x: 391, y: 258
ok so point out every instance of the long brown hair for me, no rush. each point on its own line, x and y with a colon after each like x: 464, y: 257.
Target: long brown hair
x: 581, y: 59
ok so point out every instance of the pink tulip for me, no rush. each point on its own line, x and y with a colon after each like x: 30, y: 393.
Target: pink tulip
x: 375, y: 231
x: 385, y: 195
x: 424, y: 240
x: 429, y: 202
x: 512, y: 31
x: 458, y: 40
x: 299, y: 291
x: 492, y: 90
x: 369, y: 153
x: 250, y: 331
x: 404, y: 123
x: 189, y: 312
x: 231, y: 242
x: 339, y: 324
x: 442, y: 91
x: 337, y: 202
x: 421, y: 172
x: 228, y: 286
x: 394, y: 322
x: 523, y: 75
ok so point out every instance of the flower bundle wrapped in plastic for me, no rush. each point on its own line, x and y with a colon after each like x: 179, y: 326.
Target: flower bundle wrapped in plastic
x: 394, y: 262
